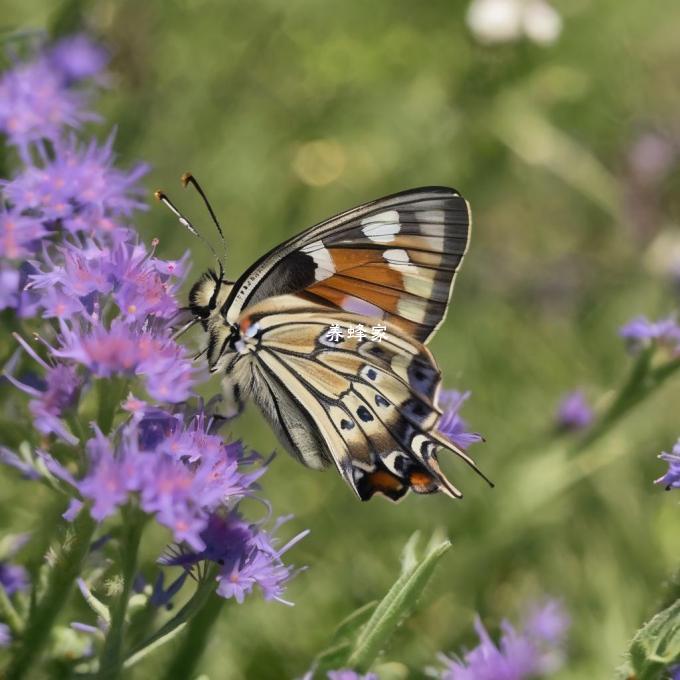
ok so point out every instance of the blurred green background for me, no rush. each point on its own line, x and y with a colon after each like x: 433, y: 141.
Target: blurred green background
x: 290, y: 112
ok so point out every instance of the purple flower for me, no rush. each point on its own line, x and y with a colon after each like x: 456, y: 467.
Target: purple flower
x: 10, y: 458
x: 9, y: 287
x: 547, y: 621
x: 142, y: 287
x: 19, y: 235
x: 573, y: 412
x: 671, y: 480
x: 640, y: 333
x: 109, y: 479
x: 52, y: 396
x: 160, y: 595
x: 451, y: 424
x: 246, y: 555
x: 182, y: 492
x: 13, y: 577
x: 79, y: 187
x: 77, y: 57
x: 35, y: 104
x: 130, y: 350
x: 5, y: 635
x: 77, y: 272
x: 84, y: 273
x: 535, y: 651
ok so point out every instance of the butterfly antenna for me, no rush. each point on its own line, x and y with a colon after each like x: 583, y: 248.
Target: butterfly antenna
x: 187, y: 179
x: 162, y: 197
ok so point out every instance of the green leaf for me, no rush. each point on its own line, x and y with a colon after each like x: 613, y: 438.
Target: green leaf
x: 656, y: 646
x: 397, y: 604
x: 348, y: 626
x: 332, y: 658
x: 359, y: 638
x: 335, y: 655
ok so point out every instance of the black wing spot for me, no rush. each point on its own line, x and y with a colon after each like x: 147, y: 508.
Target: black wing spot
x: 422, y: 376
x: 419, y: 409
x: 381, y: 401
x: 371, y: 374
x: 346, y: 424
x: 425, y: 448
x: 364, y: 414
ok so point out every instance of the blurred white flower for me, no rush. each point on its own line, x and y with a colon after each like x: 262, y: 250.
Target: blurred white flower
x: 499, y: 21
x: 494, y: 21
x: 541, y: 22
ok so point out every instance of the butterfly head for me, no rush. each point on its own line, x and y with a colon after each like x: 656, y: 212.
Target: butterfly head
x: 208, y: 295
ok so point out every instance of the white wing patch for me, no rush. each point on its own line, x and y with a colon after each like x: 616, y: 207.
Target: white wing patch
x: 398, y: 258
x: 432, y: 216
x: 416, y: 281
x: 325, y: 268
x: 381, y: 228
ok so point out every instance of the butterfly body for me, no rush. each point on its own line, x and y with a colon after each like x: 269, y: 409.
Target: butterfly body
x: 282, y: 335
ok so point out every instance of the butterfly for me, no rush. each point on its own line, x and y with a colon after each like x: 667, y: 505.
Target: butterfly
x: 282, y: 335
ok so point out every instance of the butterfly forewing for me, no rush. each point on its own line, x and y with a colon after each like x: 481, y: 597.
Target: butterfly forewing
x: 393, y: 259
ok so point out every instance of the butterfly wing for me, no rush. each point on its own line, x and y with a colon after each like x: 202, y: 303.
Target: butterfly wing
x: 393, y: 259
x: 366, y: 405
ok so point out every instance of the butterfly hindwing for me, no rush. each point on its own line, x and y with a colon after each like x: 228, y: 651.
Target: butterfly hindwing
x: 393, y: 259
x: 368, y: 406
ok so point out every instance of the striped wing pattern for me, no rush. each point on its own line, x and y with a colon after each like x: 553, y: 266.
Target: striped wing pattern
x: 394, y: 259
x: 367, y: 406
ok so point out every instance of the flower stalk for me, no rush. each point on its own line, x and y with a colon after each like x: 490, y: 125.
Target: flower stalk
x: 9, y: 614
x: 111, y: 658
x: 110, y: 394
x: 44, y: 613
x: 194, y: 640
x: 205, y: 588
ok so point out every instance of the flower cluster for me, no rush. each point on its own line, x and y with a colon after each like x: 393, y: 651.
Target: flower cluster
x: 102, y: 304
x: 641, y: 333
x: 535, y: 651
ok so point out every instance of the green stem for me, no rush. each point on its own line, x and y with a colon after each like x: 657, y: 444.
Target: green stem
x: 110, y: 393
x: 59, y: 584
x: 642, y: 381
x: 203, y: 592
x: 626, y: 398
x: 76, y: 426
x: 194, y: 640
x: 9, y: 614
x: 111, y: 658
